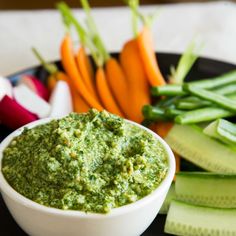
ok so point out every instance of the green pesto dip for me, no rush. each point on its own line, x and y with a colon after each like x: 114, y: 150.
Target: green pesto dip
x: 91, y: 162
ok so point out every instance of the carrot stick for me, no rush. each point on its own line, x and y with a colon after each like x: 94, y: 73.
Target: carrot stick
x: 139, y: 94
x: 79, y: 104
x: 118, y: 83
x: 86, y: 70
x: 70, y: 67
x: 105, y: 93
x: 148, y: 57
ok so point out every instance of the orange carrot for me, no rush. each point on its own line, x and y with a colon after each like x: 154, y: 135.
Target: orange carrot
x: 163, y: 128
x: 105, y: 93
x: 118, y: 83
x: 79, y: 104
x: 147, y: 53
x: 138, y: 90
x: 86, y: 70
x: 71, y: 69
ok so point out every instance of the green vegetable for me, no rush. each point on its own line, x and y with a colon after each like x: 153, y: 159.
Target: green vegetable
x: 226, y: 90
x: 218, y: 81
x: 218, y: 99
x: 191, y: 105
x: 154, y: 113
x: 185, y: 219
x: 193, y: 145
x: 207, y: 189
x: 173, y: 112
x: 91, y: 162
x: 167, y: 90
x: 203, y: 114
x: 222, y: 130
x: 185, y: 64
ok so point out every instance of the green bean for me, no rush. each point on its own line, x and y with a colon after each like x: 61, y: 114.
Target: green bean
x: 168, y: 101
x: 173, y: 112
x: 191, y: 105
x: 153, y: 113
x: 167, y: 90
x: 223, y: 130
x: 221, y: 80
x: 203, y: 114
x: 218, y: 99
x: 227, y: 89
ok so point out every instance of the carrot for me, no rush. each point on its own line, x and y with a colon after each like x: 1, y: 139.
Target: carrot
x: 86, y: 70
x: 163, y: 128
x: 105, y: 93
x: 118, y: 83
x: 70, y: 67
x: 147, y: 53
x: 79, y: 104
x: 138, y: 85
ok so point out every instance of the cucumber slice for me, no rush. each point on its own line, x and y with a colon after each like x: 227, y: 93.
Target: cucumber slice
x: 170, y: 196
x: 222, y: 130
x: 192, y: 144
x: 192, y: 220
x: 207, y: 189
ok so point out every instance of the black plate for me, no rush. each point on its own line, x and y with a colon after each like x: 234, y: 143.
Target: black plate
x: 203, y: 68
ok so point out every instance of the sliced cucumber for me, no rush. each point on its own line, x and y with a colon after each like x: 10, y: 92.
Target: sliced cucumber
x: 192, y: 144
x: 207, y: 189
x: 192, y: 220
x: 170, y: 196
x: 222, y: 130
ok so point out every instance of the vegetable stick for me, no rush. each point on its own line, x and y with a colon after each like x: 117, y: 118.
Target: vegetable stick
x: 31, y: 101
x: 105, y: 93
x: 79, y: 104
x: 60, y: 100
x: 102, y: 85
x: 13, y: 115
x: 5, y: 87
x: 148, y: 57
x: 86, y: 70
x: 70, y: 67
x: 138, y: 85
x: 118, y: 84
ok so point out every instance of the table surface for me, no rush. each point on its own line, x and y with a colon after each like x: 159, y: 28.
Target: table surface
x: 212, y: 23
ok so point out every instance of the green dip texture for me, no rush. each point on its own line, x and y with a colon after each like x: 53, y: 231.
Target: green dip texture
x: 91, y: 162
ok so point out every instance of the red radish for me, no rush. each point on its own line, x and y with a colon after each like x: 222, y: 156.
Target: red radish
x: 60, y: 100
x: 35, y: 85
x: 5, y: 87
x: 31, y: 101
x: 13, y: 115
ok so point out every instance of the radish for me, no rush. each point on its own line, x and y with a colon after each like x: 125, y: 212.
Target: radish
x: 13, y: 115
x: 5, y: 87
x: 31, y: 101
x: 35, y: 85
x: 60, y: 100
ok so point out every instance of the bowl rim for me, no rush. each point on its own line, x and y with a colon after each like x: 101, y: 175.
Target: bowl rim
x: 6, y: 188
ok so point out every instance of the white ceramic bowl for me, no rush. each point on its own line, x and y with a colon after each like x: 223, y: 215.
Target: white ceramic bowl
x: 128, y: 220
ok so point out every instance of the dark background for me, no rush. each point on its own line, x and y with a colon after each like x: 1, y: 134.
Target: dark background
x: 45, y: 4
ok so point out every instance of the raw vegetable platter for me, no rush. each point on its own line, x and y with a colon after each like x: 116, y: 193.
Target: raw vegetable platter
x: 203, y: 68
